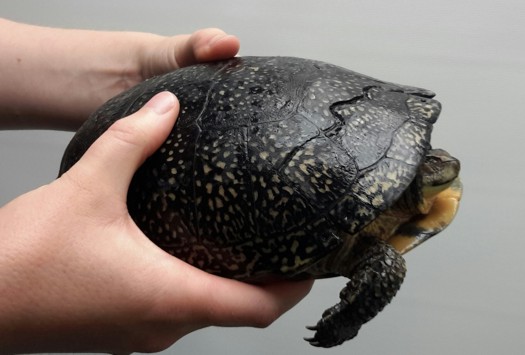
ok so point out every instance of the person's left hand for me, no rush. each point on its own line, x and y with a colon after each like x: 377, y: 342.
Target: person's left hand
x: 55, y: 78
x: 170, y: 53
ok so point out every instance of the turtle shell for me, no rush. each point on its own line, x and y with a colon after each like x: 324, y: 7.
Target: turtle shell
x: 272, y: 161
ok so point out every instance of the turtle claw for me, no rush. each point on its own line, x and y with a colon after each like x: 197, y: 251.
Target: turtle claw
x: 330, y: 332
x: 313, y: 342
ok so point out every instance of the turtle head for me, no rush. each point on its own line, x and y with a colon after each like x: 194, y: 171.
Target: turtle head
x: 431, y: 201
x: 437, y: 173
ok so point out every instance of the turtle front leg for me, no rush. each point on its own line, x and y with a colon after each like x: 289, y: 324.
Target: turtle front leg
x: 374, y: 280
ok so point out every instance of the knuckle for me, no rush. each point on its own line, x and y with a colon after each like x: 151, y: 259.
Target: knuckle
x: 267, y: 317
x: 127, y: 133
x: 154, y: 343
x: 207, y: 31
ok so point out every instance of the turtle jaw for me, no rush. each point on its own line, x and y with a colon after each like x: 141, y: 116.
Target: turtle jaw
x: 422, y: 227
x: 440, y: 193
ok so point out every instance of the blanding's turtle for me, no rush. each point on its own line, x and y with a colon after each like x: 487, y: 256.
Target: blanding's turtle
x: 291, y: 168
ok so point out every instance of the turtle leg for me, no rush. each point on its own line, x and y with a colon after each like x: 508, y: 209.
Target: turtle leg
x: 375, y: 277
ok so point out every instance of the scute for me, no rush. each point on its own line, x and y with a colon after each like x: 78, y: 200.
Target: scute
x: 270, y: 159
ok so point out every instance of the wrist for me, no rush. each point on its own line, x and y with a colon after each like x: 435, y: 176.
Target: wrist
x: 55, y: 78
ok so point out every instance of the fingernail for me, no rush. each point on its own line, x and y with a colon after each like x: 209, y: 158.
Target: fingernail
x: 162, y: 102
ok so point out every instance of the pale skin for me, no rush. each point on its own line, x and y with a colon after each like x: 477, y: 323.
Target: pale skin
x: 76, y: 274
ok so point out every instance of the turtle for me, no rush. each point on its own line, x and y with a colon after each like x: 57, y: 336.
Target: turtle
x: 291, y: 168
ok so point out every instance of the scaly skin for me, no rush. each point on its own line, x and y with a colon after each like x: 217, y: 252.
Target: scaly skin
x: 374, y: 281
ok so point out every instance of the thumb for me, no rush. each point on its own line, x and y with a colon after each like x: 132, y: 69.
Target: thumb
x: 112, y: 160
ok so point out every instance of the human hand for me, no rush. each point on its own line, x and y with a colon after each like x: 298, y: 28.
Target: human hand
x: 76, y: 274
x: 170, y: 53
x: 69, y: 73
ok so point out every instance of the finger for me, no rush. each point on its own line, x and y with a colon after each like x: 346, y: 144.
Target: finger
x: 179, y: 51
x: 234, y: 303
x: 112, y: 160
x: 209, y: 44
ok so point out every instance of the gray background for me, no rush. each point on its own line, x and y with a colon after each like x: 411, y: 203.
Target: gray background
x: 464, y: 289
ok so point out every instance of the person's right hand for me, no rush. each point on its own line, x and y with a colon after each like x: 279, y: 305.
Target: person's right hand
x: 76, y: 273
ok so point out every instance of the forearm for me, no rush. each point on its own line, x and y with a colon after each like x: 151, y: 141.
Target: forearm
x: 54, y: 78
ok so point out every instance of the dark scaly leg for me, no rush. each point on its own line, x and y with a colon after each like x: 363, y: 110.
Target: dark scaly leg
x: 376, y: 271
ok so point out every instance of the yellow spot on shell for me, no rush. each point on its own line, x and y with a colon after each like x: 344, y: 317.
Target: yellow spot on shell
x: 294, y: 247
x: 377, y: 201
x: 218, y: 203
x: 288, y: 189
x: 391, y: 175
x: 233, y: 192
x: 309, y: 250
x: 303, y: 168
